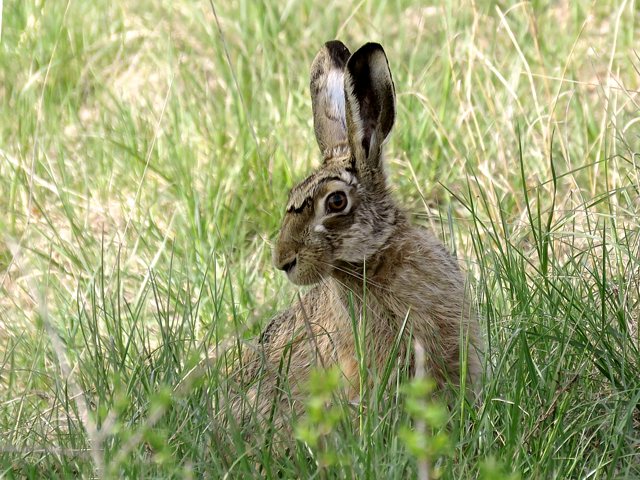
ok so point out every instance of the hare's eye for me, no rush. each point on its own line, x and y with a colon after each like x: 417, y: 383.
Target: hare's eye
x: 336, y: 202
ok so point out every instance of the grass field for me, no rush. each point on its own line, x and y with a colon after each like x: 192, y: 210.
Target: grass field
x: 146, y: 152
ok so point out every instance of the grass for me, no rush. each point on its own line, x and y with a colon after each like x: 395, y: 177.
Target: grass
x: 146, y: 153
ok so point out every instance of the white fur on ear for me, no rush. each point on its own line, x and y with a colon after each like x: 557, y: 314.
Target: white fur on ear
x: 374, y: 148
x: 327, y: 98
x: 335, y: 96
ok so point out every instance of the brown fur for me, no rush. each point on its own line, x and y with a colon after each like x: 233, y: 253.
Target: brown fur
x: 366, y: 259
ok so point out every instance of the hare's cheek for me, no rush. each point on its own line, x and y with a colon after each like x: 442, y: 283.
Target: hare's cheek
x: 339, y: 223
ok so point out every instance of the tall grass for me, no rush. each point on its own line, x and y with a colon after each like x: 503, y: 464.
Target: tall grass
x: 146, y: 151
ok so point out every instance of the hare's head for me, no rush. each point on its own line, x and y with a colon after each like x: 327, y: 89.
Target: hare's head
x: 342, y: 214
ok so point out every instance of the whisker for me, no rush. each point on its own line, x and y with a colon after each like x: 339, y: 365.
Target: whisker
x: 310, y: 333
x: 356, y: 275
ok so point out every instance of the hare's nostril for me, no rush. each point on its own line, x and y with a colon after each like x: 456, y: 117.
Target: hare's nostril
x: 287, y: 267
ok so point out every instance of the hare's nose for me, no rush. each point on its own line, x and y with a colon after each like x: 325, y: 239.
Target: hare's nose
x: 287, y: 266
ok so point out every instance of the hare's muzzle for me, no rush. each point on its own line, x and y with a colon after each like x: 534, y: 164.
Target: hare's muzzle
x: 287, y: 265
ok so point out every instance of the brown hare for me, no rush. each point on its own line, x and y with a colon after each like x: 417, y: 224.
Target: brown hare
x: 343, y: 233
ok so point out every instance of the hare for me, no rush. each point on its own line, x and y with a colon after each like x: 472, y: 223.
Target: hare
x: 343, y: 233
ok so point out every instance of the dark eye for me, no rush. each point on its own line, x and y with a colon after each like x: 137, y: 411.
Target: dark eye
x: 337, y: 202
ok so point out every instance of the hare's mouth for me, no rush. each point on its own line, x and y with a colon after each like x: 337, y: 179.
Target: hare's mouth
x: 303, y: 273
x: 293, y: 271
x: 289, y: 266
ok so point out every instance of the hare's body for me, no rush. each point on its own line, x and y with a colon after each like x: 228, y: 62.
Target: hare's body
x: 374, y: 270
x: 423, y: 287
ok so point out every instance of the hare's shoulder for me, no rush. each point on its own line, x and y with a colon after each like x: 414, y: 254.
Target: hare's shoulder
x: 417, y: 263
x: 414, y: 253
x: 424, y: 250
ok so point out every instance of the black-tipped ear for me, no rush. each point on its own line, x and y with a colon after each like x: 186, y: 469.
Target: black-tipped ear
x: 327, y: 97
x: 370, y: 104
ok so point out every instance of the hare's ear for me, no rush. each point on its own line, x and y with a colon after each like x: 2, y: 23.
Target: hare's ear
x: 371, y: 105
x: 327, y: 98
